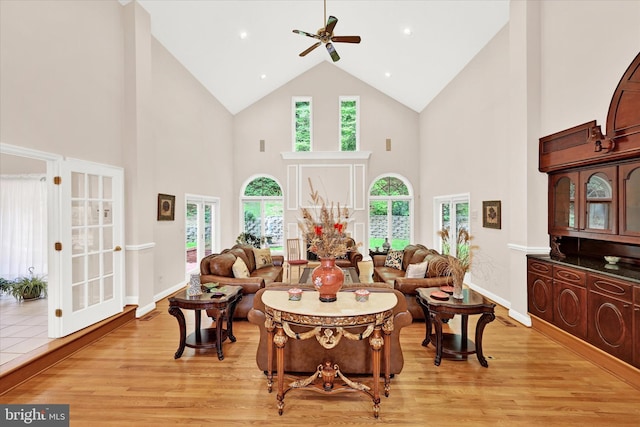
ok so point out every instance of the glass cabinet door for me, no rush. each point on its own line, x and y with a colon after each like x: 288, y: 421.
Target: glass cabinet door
x: 600, y: 200
x: 630, y: 199
x: 563, y: 202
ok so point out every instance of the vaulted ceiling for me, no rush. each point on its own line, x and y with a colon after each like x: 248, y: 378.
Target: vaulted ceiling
x: 244, y: 49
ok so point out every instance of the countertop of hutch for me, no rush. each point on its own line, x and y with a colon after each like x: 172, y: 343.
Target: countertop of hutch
x: 619, y: 271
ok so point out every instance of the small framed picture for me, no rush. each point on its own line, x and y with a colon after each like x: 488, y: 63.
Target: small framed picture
x: 491, y: 215
x: 166, y: 207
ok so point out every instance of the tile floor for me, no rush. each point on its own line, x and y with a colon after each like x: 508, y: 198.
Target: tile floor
x: 23, y: 327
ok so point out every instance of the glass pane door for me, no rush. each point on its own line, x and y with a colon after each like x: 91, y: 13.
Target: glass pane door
x: 92, y: 256
x: 400, y: 224
x: 191, y: 232
x: 378, y: 224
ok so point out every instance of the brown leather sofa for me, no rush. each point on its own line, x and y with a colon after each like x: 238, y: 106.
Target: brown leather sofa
x: 353, y: 357
x: 351, y: 259
x: 413, y: 254
x: 218, y: 268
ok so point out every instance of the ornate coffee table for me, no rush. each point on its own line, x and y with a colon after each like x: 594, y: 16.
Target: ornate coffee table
x: 222, y: 302
x: 329, y: 323
x: 458, y: 346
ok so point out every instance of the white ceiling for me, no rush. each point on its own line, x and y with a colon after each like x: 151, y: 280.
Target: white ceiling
x: 204, y: 35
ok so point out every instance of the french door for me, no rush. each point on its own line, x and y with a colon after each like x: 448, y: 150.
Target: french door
x: 201, y: 229
x: 92, y: 237
x: 452, y: 214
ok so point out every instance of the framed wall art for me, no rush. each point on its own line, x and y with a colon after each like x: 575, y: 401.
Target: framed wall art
x: 491, y: 214
x: 166, y: 207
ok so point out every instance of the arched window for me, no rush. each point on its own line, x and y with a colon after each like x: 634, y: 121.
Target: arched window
x: 390, y: 212
x: 262, y: 211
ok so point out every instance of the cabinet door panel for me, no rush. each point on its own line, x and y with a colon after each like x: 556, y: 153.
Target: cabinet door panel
x: 540, y: 295
x: 636, y: 336
x: 630, y: 199
x: 571, y: 308
x: 564, y: 196
x: 610, y: 326
x: 599, y: 205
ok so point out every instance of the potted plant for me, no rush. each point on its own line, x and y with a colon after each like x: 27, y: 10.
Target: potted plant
x: 28, y: 287
x: 5, y: 285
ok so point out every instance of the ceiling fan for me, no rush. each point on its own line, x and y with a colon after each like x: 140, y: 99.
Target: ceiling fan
x: 325, y: 35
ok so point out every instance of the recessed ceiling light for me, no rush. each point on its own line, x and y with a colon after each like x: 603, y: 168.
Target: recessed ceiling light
x: 407, y: 31
x: 243, y: 35
x: 387, y: 74
x: 263, y: 76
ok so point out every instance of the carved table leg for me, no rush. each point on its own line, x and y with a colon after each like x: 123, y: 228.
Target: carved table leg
x: 482, y: 322
x: 376, y: 342
x: 268, y: 324
x: 219, y: 318
x: 387, y: 329
x: 439, y: 340
x: 280, y: 340
x: 230, y: 313
x: 427, y: 321
x: 177, y: 313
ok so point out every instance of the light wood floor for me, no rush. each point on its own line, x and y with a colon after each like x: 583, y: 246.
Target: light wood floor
x: 129, y: 377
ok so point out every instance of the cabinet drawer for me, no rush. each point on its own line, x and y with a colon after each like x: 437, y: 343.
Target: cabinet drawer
x: 570, y: 275
x: 610, y: 287
x: 540, y: 267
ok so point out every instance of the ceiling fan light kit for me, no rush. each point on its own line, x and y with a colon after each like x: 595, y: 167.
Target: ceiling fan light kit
x: 325, y: 35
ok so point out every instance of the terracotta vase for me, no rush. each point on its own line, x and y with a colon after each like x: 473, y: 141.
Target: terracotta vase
x: 327, y: 279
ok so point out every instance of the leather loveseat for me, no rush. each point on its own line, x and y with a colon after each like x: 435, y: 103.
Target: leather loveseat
x: 435, y: 275
x: 218, y: 268
x: 353, y: 357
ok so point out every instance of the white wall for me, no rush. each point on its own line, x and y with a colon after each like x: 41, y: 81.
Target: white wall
x: 584, y: 49
x: 381, y: 117
x: 192, y: 135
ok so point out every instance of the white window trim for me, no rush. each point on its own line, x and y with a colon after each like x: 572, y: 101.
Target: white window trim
x: 262, y: 199
x: 294, y: 100
x: 357, y: 100
x: 410, y: 198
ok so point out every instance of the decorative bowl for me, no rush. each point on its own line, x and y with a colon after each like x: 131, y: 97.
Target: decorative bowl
x: 295, y: 294
x: 612, y: 259
x: 362, y: 295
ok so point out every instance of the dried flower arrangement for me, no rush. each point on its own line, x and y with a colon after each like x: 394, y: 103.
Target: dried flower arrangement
x: 325, y: 226
x: 458, y: 266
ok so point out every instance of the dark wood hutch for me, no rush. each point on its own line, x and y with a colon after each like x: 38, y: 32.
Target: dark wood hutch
x: 574, y: 295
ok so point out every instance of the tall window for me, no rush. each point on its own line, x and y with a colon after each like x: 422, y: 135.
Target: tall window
x: 302, y: 123
x: 349, y: 123
x: 201, y: 229
x: 452, y: 214
x: 262, y: 211
x: 390, y: 213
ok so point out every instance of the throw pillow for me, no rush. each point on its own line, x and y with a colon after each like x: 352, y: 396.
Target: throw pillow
x: 263, y: 258
x: 394, y: 260
x: 417, y: 271
x: 240, y: 269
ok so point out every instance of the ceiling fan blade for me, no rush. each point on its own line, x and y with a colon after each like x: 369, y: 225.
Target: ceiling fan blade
x: 315, y: 45
x: 331, y: 23
x: 304, y: 33
x: 332, y: 52
x: 346, y: 39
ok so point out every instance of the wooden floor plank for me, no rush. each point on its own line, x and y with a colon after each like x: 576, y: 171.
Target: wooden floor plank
x: 129, y: 377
